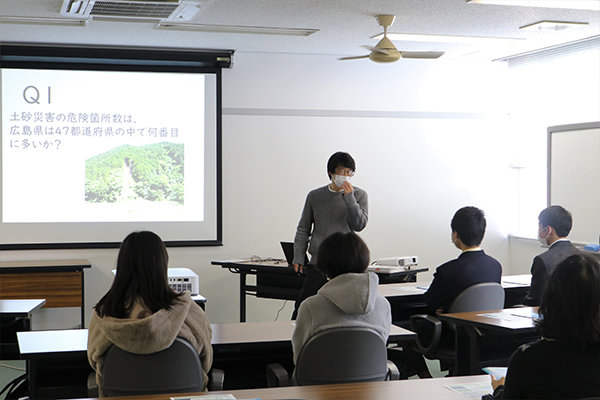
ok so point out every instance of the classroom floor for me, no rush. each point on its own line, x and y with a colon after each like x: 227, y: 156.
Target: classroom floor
x: 9, y: 370
x: 434, y: 369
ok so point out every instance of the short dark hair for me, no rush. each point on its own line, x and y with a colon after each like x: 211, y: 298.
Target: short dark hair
x: 341, y: 253
x: 558, y: 218
x: 141, y: 275
x: 570, y: 307
x: 469, y: 224
x: 340, y: 159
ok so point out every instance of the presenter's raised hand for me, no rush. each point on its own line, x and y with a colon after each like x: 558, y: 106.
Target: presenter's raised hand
x: 348, y: 188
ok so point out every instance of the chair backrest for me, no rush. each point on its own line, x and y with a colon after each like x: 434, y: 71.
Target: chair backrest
x: 479, y: 297
x: 173, y: 370
x: 340, y: 355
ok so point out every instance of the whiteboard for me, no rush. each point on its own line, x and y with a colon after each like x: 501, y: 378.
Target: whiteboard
x: 574, y: 176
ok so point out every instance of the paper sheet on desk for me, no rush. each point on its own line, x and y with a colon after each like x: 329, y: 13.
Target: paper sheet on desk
x: 210, y: 397
x: 407, y: 289
x: 506, y: 316
x: 472, y: 390
x: 523, y: 312
x: 206, y: 397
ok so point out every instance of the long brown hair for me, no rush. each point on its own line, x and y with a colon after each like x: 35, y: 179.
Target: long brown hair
x: 141, y: 275
x: 570, y: 308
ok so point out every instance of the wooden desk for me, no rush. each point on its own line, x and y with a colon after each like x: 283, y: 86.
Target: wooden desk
x: 20, y: 308
x: 269, y: 267
x: 407, y: 299
x: 270, y: 272
x: 15, y: 316
x: 406, y: 290
x: 274, y: 332
x: 415, y: 389
x: 243, y: 350
x: 200, y: 300
x: 516, y: 322
x: 232, y: 342
x: 60, y: 282
x: 35, y: 344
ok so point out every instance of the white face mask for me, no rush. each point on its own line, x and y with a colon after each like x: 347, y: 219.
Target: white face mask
x: 543, y: 239
x: 339, y: 180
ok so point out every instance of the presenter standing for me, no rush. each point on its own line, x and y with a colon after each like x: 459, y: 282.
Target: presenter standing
x: 336, y: 207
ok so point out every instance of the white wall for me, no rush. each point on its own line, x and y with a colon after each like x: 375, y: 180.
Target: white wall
x: 427, y: 137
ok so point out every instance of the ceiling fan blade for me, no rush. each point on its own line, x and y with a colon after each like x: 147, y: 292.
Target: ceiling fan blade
x: 421, y: 54
x: 376, y: 49
x: 353, y: 58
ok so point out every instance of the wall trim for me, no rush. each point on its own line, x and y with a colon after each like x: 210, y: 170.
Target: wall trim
x: 283, y: 112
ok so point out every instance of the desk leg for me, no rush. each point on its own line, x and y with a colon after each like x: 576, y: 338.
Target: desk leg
x: 242, y: 296
x: 32, y: 376
x: 468, y: 347
x: 82, y: 301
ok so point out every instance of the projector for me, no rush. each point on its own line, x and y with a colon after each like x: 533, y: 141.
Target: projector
x: 398, y: 261
x: 181, y: 279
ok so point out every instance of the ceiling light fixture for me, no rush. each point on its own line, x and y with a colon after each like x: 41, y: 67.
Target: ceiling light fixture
x: 552, y: 26
x: 570, y: 4
x: 261, y: 30
x: 44, y: 20
x: 412, y: 37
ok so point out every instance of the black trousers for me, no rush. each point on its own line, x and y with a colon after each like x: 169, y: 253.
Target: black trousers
x: 312, y: 280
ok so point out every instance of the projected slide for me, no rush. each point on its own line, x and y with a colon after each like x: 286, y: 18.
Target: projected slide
x: 153, y: 172
x: 102, y: 146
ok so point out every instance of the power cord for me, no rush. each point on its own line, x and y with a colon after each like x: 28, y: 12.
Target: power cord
x: 255, y: 258
x: 278, y: 311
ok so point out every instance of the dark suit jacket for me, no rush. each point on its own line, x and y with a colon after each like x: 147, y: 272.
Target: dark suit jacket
x: 542, y: 267
x: 451, y: 278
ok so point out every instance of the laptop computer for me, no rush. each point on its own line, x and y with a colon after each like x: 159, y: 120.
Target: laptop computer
x: 288, y: 251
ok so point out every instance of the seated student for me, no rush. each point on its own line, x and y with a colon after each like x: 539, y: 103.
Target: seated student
x: 140, y: 313
x: 349, y: 298
x: 471, y: 267
x: 554, y: 225
x: 565, y: 363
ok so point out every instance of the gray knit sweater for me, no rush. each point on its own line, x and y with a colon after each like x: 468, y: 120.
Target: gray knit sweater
x: 326, y: 212
x: 347, y: 300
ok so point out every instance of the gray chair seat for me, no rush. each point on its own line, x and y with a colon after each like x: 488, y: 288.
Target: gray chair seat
x: 173, y: 370
x: 429, y: 329
x: 338, y: 355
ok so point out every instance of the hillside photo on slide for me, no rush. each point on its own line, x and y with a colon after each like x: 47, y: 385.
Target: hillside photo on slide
x: 153, y: 172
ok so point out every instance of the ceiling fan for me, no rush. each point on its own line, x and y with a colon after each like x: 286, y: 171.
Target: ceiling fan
x: 385, y: 51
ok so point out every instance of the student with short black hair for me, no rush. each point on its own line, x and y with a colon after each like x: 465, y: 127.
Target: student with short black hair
x: 565, y: 363
x: 473, y: 266
x: 349, y: 298
x: 140, y: 313
x: 336, y: 207
x: 554, y: 226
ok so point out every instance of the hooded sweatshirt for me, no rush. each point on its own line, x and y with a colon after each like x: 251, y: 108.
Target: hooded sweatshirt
x: 348, y: 300
x: 146, y: 333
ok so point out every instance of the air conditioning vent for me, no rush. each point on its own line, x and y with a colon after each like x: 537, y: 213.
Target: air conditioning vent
x: 133, y: 9
x: 180, y: 10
